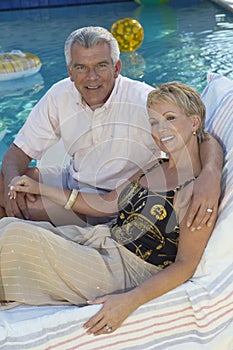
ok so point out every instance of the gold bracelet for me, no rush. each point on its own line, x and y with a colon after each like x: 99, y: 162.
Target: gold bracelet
x: 72, y: 199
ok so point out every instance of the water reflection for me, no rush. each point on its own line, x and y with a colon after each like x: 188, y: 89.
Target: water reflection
x: 185, y: 43
x: 18, y: 87
x: 133, y: 64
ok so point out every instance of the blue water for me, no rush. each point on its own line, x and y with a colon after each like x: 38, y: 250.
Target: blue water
x: 183, y: 40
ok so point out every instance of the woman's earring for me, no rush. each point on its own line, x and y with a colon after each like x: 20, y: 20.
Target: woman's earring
x: 194, y: 133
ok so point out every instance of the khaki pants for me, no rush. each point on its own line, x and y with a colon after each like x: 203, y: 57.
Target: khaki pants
x: 42, y: 264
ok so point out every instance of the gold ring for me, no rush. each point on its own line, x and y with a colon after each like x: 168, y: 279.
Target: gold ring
x: 209, y: 210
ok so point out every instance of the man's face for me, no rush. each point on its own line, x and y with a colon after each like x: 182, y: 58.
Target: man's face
x: 93, y: 73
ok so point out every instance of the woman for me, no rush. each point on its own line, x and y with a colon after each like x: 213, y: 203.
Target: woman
x: 145, y: 253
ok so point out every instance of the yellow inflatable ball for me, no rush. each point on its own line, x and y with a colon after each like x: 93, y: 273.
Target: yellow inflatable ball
x: 128, y: 33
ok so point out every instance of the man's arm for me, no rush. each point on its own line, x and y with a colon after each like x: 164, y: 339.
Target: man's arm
x: 15, y: 162
x: 207, y: 189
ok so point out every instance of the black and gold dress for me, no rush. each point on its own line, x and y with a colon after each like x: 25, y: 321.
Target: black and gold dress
x: 147, y: 223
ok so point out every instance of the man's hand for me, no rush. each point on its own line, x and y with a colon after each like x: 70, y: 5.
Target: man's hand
x: 204, y: 204
x: 203, y: 208
x: 14, y: 163
x: 16, y: 203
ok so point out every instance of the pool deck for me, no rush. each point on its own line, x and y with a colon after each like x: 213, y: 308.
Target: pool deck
x: 228, y: 4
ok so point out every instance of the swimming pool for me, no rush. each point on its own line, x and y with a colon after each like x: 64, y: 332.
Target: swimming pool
x: 182, y: 42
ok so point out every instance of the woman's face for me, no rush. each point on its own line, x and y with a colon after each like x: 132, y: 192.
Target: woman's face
x: 170, y: 127
x: 93, y: 73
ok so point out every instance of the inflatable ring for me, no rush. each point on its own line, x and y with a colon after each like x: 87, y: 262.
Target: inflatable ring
x: 18, y: 64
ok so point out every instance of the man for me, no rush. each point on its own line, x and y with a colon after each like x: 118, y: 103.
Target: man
x: 101, y: 118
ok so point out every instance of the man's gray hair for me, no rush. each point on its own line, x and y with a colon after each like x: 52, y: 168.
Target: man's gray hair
x: 89, y: 37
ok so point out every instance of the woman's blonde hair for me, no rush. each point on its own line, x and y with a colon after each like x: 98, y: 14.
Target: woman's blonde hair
x: 185, y: 97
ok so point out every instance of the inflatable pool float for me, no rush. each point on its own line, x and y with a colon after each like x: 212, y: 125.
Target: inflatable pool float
x: 17, y: 64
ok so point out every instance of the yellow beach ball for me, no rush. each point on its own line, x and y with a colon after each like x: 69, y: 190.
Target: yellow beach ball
x: 128, y: 33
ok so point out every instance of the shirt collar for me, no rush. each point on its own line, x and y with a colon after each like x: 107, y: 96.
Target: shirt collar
x: 77, y: 96
x: 113, y: 95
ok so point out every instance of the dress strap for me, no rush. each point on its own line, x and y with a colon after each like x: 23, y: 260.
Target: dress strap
x: 160, y: 161
x: 180, y: 187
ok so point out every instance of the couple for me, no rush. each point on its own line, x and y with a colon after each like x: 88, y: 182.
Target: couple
x: 101, y: 118
x: 145, y: 252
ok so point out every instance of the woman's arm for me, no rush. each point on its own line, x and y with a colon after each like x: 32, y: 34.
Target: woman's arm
x: 116, y: 308
x: 86, y: 203
x: 206, y: 191
x: 190, y: 250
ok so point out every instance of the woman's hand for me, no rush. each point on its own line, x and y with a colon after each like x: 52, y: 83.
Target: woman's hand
x: 116, y: 308
x: 23, y: 184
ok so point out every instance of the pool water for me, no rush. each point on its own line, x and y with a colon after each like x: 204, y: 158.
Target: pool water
x: 183, y: 40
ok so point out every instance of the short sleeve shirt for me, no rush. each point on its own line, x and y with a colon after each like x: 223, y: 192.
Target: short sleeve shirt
x: 106, y: 145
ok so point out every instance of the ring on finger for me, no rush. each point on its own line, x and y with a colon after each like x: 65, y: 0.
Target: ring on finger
x: 209, y: 210
x: 10, y: 195
x: 108, y: 329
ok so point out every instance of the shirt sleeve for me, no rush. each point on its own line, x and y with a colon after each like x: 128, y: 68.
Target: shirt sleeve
x: 41, y: 129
